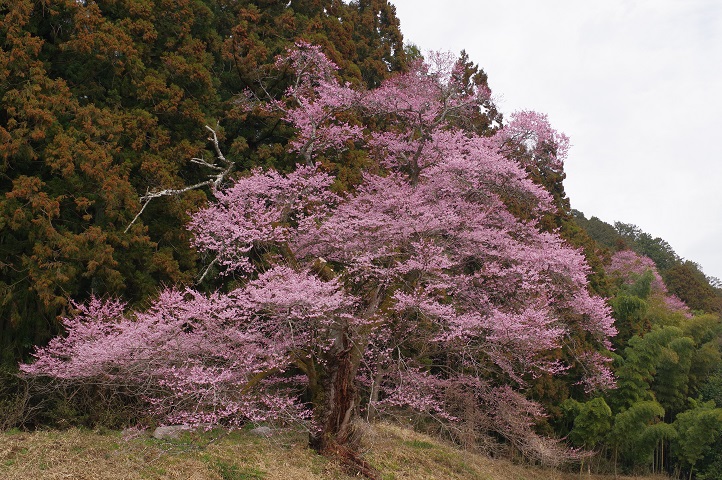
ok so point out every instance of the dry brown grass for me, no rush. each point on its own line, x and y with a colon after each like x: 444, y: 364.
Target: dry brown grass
x: 402, y: 454
x: 398, y: 453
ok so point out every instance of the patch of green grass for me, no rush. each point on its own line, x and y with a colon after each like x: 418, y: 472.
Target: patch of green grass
x: 233, y: 435
x: 465, y: 468
x: 230, y: 471
x: 386, y: 464
x: 447, y: 458
x: 153, y: 471
x: 419, y: 444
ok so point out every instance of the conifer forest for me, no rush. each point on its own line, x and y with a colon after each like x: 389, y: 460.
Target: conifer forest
x: 236, y: 212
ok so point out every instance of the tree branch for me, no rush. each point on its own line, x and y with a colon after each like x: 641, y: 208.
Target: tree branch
x: 214, y: 180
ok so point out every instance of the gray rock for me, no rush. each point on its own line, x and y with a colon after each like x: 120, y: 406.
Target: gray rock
x: 262, y: 432
x: 169, y: 432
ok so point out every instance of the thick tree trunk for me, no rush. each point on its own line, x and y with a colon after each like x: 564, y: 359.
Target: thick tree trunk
x: 335, y: 407
x: 335, y: 404
x: 334, y: 396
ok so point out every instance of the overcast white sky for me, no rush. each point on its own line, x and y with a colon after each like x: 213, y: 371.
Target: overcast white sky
x: 635, y: 84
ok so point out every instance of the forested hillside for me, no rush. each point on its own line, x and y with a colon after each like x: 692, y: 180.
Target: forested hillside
x: 665, y: 413
x: 234, y: 212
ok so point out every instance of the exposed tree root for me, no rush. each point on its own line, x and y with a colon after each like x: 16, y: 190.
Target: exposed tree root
x: 352, y: 462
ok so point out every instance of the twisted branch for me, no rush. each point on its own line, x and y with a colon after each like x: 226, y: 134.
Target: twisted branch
x: 214, y: 181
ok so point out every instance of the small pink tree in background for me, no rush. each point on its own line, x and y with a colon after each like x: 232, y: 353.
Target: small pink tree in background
x: 418, y: 284
x: 629, y: 267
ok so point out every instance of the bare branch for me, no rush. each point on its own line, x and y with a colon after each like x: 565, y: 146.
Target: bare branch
x: 214, y: 180
x: 201, y: 161
x: 205, y: 272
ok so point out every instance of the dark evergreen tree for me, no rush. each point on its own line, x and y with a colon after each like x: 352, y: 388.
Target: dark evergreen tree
x: 104, y: 101
x: 686, y: 280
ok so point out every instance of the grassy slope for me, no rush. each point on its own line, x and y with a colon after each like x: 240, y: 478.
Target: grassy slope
x: 398, y: 453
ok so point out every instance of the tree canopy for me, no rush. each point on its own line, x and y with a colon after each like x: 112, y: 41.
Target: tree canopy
x: 417, y: 282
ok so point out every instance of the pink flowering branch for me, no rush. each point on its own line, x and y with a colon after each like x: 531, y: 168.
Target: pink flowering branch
x: 418, y: 282
x: 629, y: 267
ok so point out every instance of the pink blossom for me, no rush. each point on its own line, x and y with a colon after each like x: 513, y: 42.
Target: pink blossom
x: 421, y: 263
x: 629, y: 267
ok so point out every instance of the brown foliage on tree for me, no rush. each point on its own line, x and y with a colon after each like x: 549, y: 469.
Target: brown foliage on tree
x: 104, y: 102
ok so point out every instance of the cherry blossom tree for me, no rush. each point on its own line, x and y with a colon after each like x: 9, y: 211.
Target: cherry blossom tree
x: 629, y: 267
x: 417, y: 282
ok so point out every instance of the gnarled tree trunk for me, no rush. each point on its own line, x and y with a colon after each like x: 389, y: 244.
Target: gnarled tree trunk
x: 335, y: 400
